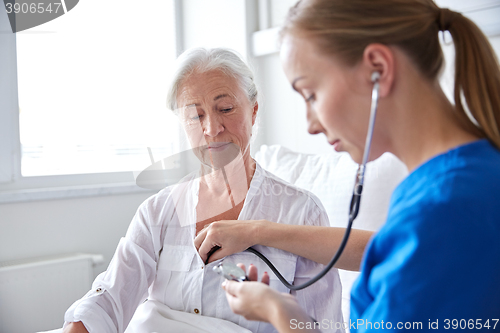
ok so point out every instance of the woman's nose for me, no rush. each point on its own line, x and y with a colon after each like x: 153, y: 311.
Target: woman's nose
x: 313, y: 124
x: 212, y: 126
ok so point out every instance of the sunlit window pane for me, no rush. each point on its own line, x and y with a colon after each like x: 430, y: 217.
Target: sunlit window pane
x: 92, y: 88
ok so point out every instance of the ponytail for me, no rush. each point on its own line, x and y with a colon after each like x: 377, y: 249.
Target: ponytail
x: 477, y: 76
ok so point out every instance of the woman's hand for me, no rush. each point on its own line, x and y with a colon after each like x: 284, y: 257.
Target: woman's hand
x: 76, y: 327
x: 257, y: 301
x: 231, y: 236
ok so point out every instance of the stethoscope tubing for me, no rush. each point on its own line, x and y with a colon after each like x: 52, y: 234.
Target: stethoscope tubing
x: 355, y: 200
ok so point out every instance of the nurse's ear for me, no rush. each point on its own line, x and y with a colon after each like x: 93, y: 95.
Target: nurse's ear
x: 380, y: 58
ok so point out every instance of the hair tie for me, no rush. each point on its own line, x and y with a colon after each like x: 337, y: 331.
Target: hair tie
x: 445, y: 18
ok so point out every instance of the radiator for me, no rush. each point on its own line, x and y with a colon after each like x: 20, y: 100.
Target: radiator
x: 34, y: 294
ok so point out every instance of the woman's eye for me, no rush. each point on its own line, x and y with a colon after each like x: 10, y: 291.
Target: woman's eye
x: 226, y: 110
x: 192, y: 117
x: 311, y: 98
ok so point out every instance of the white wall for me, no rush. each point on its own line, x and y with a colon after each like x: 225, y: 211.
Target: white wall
x: 42, y: 228
x: 283, y: 110
x: 214, y: 23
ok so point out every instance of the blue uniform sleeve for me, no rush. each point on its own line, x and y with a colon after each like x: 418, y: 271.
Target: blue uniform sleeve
x: 429, y: 265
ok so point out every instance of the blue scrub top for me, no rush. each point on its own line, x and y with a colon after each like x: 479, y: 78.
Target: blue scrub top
x: 436, y: 261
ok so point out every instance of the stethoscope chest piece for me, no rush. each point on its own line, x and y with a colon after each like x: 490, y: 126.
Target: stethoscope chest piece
x: 230, y: 271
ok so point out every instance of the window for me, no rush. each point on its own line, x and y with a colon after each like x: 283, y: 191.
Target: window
x: 91, y: 89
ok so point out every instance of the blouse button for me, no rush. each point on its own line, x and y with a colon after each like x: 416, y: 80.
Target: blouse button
x: 196, y: 311
x: 98, y: 290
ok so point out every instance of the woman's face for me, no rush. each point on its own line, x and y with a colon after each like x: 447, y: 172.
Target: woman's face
x: 337, y: 97
x: 217, y: 116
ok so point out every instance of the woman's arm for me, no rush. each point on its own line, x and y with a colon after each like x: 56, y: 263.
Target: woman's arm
x: 315, y: 243
x: 116, y: 293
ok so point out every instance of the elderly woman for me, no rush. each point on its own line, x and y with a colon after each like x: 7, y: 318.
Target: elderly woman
x: 214, y: 95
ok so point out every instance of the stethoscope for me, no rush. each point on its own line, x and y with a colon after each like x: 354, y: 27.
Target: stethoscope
x: 233, y: 272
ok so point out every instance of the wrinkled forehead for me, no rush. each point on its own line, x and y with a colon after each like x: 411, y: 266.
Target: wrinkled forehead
x: 208, y: 88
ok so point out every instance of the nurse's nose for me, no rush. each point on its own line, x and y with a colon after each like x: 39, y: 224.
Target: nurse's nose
x: 313, y: 124
x: 212, y: 126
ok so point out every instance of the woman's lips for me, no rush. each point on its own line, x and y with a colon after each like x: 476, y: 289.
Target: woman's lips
x: 216, y: 146
x: 335, y: 144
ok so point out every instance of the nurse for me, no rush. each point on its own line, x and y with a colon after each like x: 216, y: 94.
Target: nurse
x: 436, y: 261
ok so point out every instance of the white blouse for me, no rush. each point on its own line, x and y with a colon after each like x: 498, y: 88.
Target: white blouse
x: 157, y: 260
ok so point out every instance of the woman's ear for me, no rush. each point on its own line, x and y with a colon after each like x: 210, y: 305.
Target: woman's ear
x: 254, y: 112
x: 380, y: 58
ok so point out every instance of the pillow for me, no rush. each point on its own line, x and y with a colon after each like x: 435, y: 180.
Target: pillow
x: 331, y: 177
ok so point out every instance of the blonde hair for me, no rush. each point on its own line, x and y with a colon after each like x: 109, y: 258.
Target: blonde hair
x: 346, y: 27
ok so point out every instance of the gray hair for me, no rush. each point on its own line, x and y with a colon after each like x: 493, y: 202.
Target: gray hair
x: 203, y: 60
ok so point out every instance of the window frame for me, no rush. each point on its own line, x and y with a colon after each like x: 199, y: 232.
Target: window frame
x: 16, y: 188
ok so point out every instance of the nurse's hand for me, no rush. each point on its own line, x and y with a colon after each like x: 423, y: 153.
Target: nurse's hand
x: 246, y: 298
x: 231, y: 236
x: 257, y: 301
